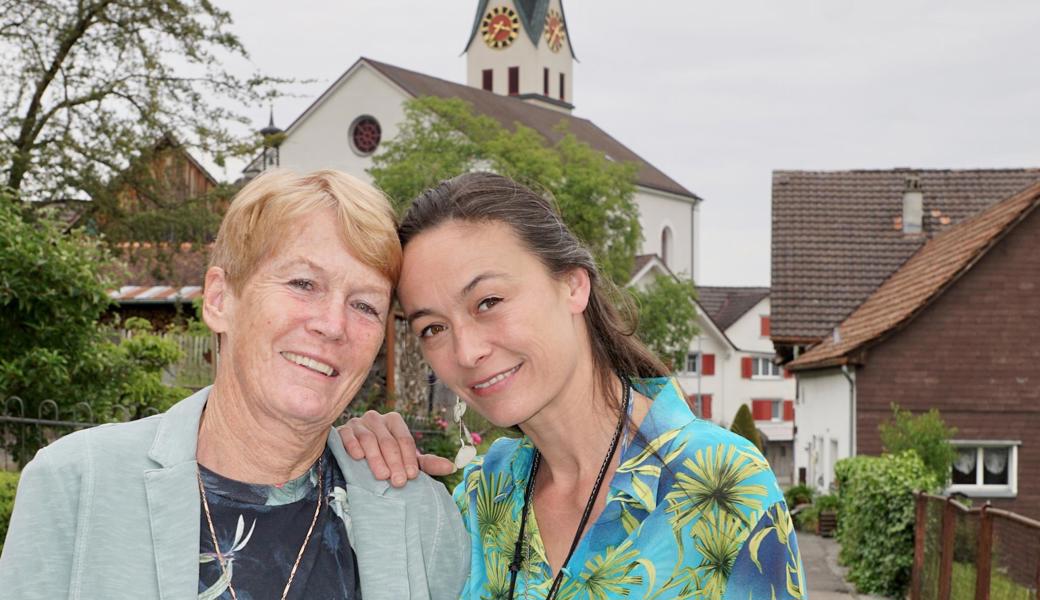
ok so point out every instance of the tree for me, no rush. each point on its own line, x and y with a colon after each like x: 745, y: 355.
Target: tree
x: 52, y: 293
x: 926, y: 434
x: 85, y: 84
x: 441, y: 138
x: 667, y: 317
x: 744, y: 425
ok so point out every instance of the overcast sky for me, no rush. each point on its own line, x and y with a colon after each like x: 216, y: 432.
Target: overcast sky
x: 718, y: 95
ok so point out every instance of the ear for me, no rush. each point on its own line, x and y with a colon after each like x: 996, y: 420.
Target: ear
x: 215, y: 300
x: 579, y: 287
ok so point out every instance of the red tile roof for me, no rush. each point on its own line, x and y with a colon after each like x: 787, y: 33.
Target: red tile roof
x: 836, y: 236
x: 929, y: 272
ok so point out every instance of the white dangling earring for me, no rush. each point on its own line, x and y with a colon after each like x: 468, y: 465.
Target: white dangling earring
x: 467, y: 451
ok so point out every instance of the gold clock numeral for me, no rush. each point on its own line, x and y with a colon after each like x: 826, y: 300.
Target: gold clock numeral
x: 500, y: 27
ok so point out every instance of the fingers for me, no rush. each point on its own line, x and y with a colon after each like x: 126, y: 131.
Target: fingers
x: 393, y: 442
x: 431, y: 464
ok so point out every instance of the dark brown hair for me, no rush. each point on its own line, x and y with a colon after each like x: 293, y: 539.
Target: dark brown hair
x: 487, y: 197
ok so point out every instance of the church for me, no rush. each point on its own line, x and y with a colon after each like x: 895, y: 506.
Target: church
x: 519, y: 69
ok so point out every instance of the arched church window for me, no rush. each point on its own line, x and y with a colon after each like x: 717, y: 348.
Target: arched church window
x: 666, y: 244
x: 365, y: 134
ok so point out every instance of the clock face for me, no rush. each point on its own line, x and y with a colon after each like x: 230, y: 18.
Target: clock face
x: 554, y: 31
x: 500, y: 27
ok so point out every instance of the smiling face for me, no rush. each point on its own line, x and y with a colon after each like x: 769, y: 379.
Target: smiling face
x: 301, y: 336
x: 494, y: 324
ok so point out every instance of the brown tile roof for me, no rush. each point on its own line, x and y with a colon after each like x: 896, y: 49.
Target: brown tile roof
x: 929, y: 272
x: 640, y: 261
x: 727, y: 304
x: 836, y: 238
x: 509, y: 111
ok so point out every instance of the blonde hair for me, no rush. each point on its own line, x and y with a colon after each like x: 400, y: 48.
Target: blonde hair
x: 265, y: 209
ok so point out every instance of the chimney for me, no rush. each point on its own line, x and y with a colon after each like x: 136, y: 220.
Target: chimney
x: 913, y: 205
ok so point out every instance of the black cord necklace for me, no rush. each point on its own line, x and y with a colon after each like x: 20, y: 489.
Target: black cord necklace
x: 514, y: 566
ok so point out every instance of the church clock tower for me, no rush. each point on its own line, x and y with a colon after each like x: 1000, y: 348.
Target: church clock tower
x: 522, y: 48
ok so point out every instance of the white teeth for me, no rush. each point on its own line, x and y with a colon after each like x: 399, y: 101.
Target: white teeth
x: 496, y: 378
x: 310, y: 363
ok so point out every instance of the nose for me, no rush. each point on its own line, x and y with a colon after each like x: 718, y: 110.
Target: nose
x: 330, y: 318
x: 471, y: 345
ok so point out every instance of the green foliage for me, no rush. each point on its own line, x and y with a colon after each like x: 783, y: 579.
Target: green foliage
x: 667, y: 317
x: 926, y: 434
x: 441, y: 138
x: 8, y: 487
x: 876, y: 528
x: 744, y: 425
x: 51, y: 297
x: 799, y: 494
x: 86, y: 83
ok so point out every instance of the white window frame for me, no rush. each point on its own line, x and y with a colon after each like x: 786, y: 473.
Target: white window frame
x: 757, y: 361
x: 1009, y: 490
x: 699, y: 363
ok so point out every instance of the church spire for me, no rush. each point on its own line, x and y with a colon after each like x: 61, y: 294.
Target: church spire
x: 522, y: 48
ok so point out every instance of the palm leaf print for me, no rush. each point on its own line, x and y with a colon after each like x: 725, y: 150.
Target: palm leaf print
x: 716, y: 478
x: 492, y: 516
x: 608, y: 575
x: 718, y: 537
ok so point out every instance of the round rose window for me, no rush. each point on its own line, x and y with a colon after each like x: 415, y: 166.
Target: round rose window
x: 365, y: 134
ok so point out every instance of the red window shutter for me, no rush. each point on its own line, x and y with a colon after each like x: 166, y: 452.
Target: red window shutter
x: 691, y: 401
x: 761, y: 410
x: 707, y: 364
x: 789, y: 410
x: 765, y: 326
x: 788, y: 374
x: 706, y: 406
x: 745, y: 367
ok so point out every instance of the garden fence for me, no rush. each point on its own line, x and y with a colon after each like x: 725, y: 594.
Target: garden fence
x: 980, y: 552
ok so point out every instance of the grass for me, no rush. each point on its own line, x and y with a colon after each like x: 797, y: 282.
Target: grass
x: 1001, y: 587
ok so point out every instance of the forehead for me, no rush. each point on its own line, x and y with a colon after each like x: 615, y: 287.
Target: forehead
x: 448, y: 256
x: 315, y: 242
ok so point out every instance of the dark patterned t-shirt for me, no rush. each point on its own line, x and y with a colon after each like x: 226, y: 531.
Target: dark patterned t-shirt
x: 260, y: 529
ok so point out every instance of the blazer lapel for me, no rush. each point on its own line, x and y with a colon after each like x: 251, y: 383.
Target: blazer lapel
x: 376, y: 525
x: 173, y: 499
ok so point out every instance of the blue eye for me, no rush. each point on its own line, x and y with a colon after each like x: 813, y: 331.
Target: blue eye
x: 366, y: 308
x: 302, y: 284
x: 487, y: 303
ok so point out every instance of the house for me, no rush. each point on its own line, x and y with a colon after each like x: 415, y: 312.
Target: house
x: 519, y: 70
x: 952, y: 328
x: 732, y: 362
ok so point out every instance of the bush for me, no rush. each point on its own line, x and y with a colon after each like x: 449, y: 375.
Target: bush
x: 744, y: 425
x: 8, y: 486
x: 799, y: 494
x: 876, y: 525
x: 926, y: 434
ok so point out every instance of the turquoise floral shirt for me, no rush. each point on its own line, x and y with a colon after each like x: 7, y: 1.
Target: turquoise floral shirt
x: 693, y: 511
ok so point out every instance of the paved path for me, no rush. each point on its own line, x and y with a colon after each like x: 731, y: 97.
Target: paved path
x: 823, y: 574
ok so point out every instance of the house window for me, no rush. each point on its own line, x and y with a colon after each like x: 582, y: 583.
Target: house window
x: 764, y: 368
x: 545, y: 81
x: 767, y: 410
x: 365, y: 134
x: 489, y: 80
x: 562, y: 88
x: 693, y: 363
x: 700, y: 404
x: 514, y: 81
x: 988, y: 469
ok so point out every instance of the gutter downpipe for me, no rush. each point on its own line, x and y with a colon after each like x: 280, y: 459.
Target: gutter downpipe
x: 851, y: 377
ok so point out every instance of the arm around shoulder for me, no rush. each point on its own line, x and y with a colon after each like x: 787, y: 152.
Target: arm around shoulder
x: 37, y: 559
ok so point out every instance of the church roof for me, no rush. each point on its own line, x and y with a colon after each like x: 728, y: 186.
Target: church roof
x: 545, y: 121
x: 532, y: 15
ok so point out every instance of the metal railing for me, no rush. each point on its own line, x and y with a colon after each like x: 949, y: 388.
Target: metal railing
x: 963, y: 552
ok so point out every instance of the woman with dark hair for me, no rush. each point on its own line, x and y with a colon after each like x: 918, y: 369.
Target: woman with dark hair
x: 615, y: 490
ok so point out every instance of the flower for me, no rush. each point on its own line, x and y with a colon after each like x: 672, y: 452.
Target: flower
x: 476, y: 438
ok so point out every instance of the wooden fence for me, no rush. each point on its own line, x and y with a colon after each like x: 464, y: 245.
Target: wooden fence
x: 195, y: 369
x: 981, y: 552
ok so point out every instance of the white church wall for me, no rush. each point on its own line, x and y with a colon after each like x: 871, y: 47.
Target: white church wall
x: 823, y: 424
x: 322, y: 139
x: 658, y: 210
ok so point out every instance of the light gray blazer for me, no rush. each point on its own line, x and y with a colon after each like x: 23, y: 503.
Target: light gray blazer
x: 113, y: 512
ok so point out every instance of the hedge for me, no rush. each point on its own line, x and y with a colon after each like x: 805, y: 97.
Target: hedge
x: 876, y: 529
x: 8, y: 486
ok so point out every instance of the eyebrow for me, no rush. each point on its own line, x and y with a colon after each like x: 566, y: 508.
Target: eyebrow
x: 466, y: 289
